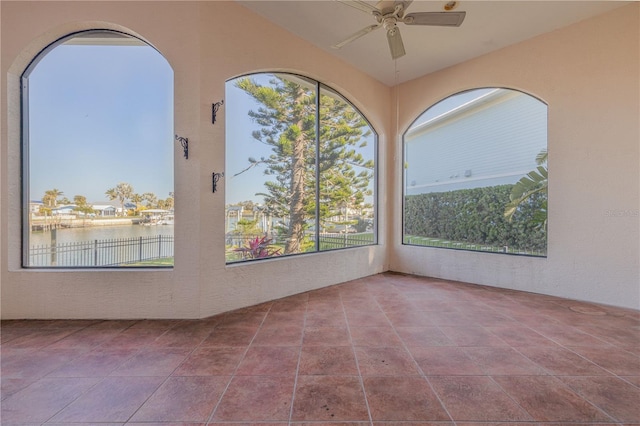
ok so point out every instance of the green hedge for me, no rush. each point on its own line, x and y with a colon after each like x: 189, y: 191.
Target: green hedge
x: 476, y: 216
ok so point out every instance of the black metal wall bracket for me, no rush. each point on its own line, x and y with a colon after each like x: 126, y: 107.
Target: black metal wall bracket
x: 215, y: 177
x: 214, y: 110
x: 185, y: 145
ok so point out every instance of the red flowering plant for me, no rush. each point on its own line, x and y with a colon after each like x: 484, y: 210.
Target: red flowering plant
x: 258, y: 248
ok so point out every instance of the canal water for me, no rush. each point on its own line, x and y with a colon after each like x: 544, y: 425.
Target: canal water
x: 69, y: 235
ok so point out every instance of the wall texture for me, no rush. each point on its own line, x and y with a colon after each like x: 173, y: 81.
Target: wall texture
x: 588, y: 74
x: 206, y: 43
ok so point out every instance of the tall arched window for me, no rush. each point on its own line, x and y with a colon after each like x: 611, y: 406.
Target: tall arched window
x: 475, y: 174
x: 300, y: 169
x: 98, y: 154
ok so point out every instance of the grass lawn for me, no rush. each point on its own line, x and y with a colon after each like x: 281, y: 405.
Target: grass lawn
x: 165, y: 261
x: 435, y: 242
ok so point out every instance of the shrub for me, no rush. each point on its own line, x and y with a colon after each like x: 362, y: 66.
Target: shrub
x: 476, y: 216
x: 258, y: 248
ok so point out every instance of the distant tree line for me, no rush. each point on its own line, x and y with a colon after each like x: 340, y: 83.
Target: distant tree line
x: 123, y: 192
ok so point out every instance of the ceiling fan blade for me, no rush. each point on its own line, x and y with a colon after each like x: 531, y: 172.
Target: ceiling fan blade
x: 360, y: 5
x: 442, y: 19
x: 356, y: 36
x: 396, y: 46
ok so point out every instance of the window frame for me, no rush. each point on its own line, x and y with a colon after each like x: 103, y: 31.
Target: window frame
x: 318, y: 87
x: 404, y: 174
x: 25, y: 151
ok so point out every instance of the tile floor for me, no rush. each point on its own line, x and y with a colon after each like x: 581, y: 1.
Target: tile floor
x: 389, y: 349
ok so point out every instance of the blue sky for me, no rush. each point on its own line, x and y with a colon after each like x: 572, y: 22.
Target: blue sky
x: 241, y: 145
x: 449, y: 103
x: 101, y: 115
x: 98, y: 116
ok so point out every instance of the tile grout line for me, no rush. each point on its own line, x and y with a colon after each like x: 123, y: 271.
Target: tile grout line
x: 422, y: 374
x: 548, y: 373
x: 233, y: 373
x: 490, y: 377
x: 102, y: 379
x: 355, y: 357
x: 172, y: 371
x: 587, y: 399
x: 295, y: 378
x: 378, y: 295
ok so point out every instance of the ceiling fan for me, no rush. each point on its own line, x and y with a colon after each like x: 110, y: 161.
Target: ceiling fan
x: 388, y: 13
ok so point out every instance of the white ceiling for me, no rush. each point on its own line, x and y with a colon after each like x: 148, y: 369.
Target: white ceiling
x: 489, y: 26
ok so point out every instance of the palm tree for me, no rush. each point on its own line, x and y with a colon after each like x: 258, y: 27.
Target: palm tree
x: 535, y: 182
x: 50, y: 198
x: 151, y: 199
x: 170, y: 201
x: 82, y: 206
x: 81, y: 202
x: 137, y: 200
x: 122, y: 192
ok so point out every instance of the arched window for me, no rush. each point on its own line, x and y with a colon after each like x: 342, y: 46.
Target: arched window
x: 475, y: 174
x: 98, y: 154
x: 300, y: 163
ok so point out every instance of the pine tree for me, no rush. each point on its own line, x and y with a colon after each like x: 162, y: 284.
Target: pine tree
x: 287, y: 116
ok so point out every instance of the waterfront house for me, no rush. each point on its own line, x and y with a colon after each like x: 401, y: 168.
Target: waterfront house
x: 34, y: 206
x: 63, y: 210
x: 104, y: 210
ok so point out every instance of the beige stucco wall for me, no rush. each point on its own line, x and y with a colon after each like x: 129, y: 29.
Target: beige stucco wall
x: 589, y: 75
x: 206, y: 43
